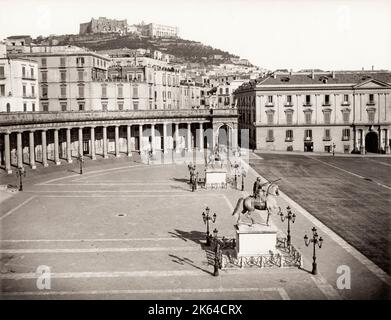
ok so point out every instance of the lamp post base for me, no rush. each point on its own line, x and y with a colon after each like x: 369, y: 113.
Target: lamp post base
x: 314, y: 269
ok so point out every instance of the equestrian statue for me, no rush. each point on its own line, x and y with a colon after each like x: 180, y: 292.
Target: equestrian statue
x: 264, y: 197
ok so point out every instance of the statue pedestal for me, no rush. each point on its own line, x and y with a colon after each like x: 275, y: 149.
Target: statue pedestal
x: 255, y: 240
x: 215, y: 177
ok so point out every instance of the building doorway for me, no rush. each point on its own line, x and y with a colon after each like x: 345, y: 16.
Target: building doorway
x: 372, y: 142
x: 86, y: 147
x: 308, y: 146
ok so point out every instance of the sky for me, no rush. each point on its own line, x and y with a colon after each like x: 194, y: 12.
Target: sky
x: 294, y: 34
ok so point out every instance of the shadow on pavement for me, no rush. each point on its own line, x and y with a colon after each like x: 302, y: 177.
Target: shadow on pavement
x: 195, y: 236
x: 183, y: 261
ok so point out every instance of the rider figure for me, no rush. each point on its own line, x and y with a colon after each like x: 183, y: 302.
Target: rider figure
x: 257, y: 189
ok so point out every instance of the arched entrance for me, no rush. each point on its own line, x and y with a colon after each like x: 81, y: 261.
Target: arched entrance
x: 223, y: 137
x: 372, y: 142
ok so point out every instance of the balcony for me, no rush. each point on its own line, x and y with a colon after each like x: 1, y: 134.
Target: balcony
x: 326, y: 104
x: 327, y: 139
x: 371, y: 103
x: 30, y: 78
x: 288, y: 139
x: 308, y: 139
x: 307, y: 104
x: 269, y: 104
x: 269, y: 139
x: 31, y: 96
x: 288, y: 104
x: 345, y: 103
x: 345, y: 138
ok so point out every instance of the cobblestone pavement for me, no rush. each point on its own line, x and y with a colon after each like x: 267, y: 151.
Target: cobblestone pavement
x: 127, y: 230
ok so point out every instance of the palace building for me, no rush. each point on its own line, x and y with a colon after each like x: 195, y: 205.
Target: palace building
x: 344, y: 111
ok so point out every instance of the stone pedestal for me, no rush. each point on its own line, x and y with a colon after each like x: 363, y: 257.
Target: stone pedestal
x: 215, y: 177
x: 255, y: 240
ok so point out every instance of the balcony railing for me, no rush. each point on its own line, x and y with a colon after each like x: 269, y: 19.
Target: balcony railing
x: 370, y: 103
x: 287, y: 139
x: 288, y: 104
x: 327, y: 139
x: 25, y: 77
x: 269, y: 104
x: 345, y: 138
x: 31, y: 96
x: 307, y: 104
x: 345, y: 103
x: 326, y: 104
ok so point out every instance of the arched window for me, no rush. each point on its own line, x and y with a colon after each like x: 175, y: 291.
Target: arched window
x: 8, y: 107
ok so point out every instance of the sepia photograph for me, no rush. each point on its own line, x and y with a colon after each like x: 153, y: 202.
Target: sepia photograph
x: 218, y: 151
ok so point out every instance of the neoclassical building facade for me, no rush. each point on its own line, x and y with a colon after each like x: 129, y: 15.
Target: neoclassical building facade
x: 345, y: 111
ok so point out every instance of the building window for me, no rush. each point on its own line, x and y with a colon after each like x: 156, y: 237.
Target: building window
x: 345, y: 134
x: 81, y: 75
x: 63, y: 76
x: 44, y: 77
x: 289, y: 99
x: 135, y: 105
x: 81, y: 91
x: 346, y: 116
x: 327, y: 116
x: 226, y: 90
x: 63, y: 106
x: 45, y: 107
x: 62, y: 61
x: 308, y: 134
x: 104, y: 92
x: 135, y: 92
x: 308, y: 116
x: 63, y: 91
x: 2, y: 90
x: 24, y: 91
x: 308, y: 99
x: 346, y: 98
x: 81, y: 106
x: 289, y: 118
x: 371, y: 116
x: 23, y: 72
x: 270, y: 99
x: 371, y: 99
x: 24, y: 107
x: 270, y: 118
x: 2, y: 73
x: 270, y: 136
x: 120, y: 92
x: 33, y: 107
x: 104, y: 106
x: 120, y: 106
x: 150, y: 105
x: 43, y: 62
x: 289, y: 135
x: 326, y: 99
x: 327, y: 135
x: 32, y: 73
x: 33, y: 91
x: 8, y: 107
x: 44, y: 92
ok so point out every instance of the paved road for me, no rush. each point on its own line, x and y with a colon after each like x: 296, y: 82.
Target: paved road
x: 352, y: 196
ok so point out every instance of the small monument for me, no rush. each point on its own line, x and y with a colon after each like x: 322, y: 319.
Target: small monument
x: 215, y: 173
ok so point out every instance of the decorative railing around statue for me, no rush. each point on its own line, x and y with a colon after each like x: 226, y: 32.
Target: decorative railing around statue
x: 226, y: 256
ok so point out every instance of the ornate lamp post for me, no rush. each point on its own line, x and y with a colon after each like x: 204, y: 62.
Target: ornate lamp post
x: 207, y: 218
x: 80, y: 158
x: 315, y: 241
x: 217, y: 260
x: 243, y: 176
x: 20, y: 173
x: 236, y: 167
x: 290, y: 217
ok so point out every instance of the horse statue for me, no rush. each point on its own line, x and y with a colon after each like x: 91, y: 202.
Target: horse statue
x: 264, y: 198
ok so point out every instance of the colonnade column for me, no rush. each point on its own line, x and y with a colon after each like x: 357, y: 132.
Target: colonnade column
x: 355, y: 134
x: 362, y: 141
x: 234, y: 140
x: 380, y: 145
x: 80, y: 141
x: 92, y: 134
x: 165, y: 149
x: 7, y: 151
x: 140, y: 136
x: 153, y: 138
x: 176, y: 137
x: 387, y: 144
x: 69, y: 151
x: 116, y: 128
x: 201, y: 136
x: 128, y: 139
x: 56, y: 155
x: 189, y: 137
x: 32, y: 150
x: 104, y: 129
x: 44, y: 149
x: 19, y: 151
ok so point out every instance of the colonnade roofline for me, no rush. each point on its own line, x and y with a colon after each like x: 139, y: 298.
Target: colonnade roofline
x: 186, y: 115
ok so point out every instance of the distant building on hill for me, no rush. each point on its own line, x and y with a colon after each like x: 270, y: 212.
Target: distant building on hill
x: 104, y: 25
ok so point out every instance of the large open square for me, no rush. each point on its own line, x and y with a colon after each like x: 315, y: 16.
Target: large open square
x: 127, y: 230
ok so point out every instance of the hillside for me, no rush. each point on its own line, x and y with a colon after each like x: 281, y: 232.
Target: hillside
x: 186, y: 51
